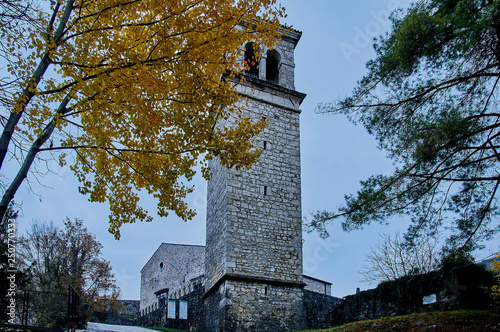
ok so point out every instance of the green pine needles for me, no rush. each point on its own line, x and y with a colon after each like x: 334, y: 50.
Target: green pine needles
x: 431, y: 99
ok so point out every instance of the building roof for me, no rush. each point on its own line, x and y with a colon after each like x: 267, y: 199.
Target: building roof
x: 316, y: 279
x: 170, y: 244
x: 200, y: 246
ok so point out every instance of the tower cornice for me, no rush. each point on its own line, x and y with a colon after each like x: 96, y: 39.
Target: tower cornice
x: 293, y: 36
x: 269, y: 93
x: 264, y: 84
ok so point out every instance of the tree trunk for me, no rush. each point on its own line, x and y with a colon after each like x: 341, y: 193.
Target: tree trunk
x: 28, y: 92
x: 30, y: 157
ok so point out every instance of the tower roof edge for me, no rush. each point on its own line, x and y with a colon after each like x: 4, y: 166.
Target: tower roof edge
x: 293, y: 36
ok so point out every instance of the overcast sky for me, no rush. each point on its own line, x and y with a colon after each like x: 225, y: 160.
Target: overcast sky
x: 330, y: 58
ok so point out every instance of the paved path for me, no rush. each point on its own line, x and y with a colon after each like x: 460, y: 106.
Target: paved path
x: 98, y: 327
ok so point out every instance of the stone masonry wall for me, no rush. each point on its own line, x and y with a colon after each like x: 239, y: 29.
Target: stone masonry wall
x: 196, y: 309
x: 214, y: 304
x: 217, y: 200
x: 460, y: 287
x: 318, y: 286
x: 254, y: 232
x: 254, y: 306
x: 181, y: 264
x: 286, y: 77
x: 263, y: 229
x: 254, y: 220
x: 320, y: 309
x: 263, y: 307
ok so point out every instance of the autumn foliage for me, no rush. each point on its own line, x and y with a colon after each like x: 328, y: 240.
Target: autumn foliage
x: 55, y: 259
x: 495, y: 290
x: 129, y: 92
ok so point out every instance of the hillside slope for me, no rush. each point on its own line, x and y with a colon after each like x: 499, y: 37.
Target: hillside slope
x: 462, y: 320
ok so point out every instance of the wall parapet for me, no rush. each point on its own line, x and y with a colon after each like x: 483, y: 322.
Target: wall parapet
x: 461, y: 287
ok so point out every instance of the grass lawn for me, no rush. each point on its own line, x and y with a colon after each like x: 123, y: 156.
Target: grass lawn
x: 462, y: 320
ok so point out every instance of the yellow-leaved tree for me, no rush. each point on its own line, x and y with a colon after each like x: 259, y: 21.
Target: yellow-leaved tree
x: 132, y: 90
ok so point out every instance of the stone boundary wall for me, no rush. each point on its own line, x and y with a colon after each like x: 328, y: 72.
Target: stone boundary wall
x: 319, y: 309
x: 461, y: 288
x: 113, y: 319
x: 195, y: 314
x: 128, y: 308
x: 158, y: 315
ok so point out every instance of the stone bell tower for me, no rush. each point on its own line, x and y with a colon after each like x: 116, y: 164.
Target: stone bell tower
x: 253, y: 259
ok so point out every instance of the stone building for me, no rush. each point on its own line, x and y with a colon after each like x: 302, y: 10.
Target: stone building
x: 317, y: 285
x: 175, y: 270
x: 252, y: 277
x: 253, y: 262
x: 170, y: 272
